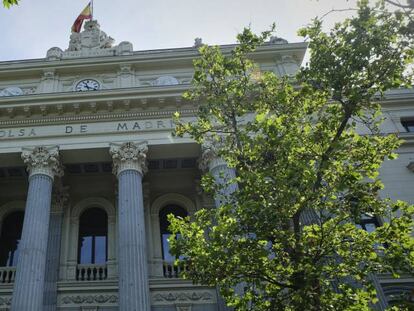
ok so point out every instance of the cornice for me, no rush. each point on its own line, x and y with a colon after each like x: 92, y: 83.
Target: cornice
x: 108, y: 94
x: 163, y: 57
x: 138, y: 103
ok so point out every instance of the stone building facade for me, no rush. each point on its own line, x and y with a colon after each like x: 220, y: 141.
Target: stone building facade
x: 89, y: 170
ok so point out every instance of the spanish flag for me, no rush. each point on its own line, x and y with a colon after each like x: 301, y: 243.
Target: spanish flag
x: 85, y: 14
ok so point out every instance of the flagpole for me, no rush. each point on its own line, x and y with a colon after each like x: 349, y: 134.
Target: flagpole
x: 92, y: 9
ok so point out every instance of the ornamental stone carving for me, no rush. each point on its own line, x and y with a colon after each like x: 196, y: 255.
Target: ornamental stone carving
x: 198, y: 43
x: 183, y: 298
x: 91, y: 38
x: 209, y: 159
x: 89, y: 299
x: 166, y: 81
x: 43, y: 160
x: 129, y: 156
x: 12, y: 91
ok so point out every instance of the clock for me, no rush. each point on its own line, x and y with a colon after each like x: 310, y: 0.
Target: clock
x: 87, y: 85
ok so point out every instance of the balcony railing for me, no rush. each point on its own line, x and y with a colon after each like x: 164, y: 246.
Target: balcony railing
x: 171, y: 270
x: 91, y: 272
x: 7, y: 275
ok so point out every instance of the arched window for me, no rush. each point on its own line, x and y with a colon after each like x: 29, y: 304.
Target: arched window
x: 93, y: 237
x: 11, y: 232
x: 164, y: 223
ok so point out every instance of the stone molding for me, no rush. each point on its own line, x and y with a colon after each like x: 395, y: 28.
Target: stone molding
x: 129, y: 156
x: 42, y: 160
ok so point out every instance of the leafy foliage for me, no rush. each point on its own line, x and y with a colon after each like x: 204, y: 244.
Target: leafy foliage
x: 294, y: 144
x: 9, y: 3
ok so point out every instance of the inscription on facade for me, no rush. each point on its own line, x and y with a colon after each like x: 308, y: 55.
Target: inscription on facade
x: 92, y: 128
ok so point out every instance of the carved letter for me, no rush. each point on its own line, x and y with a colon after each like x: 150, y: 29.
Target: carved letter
x: 32, y: 132
x: 10, y: 133
x: 22, y: 132
x: 2, y: 133
x: 148, y: 125
x: 69, y: 129
x: 83, y: 128
x: 122, y: 126
x: 136, y: 126
x: 160, y: 124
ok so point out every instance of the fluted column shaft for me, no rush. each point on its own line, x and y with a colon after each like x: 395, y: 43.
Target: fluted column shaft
x: 129, y: 165
x: 30, y: 273
x: 52, y: 259
x: 60, y: 198
x: 222, y: 174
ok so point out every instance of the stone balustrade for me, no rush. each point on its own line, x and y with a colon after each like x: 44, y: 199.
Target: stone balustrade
x: 171, y: 270
x: 91, y: 272
x: 7, y: 275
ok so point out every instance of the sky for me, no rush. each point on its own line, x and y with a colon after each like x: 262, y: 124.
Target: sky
x: 31, y: 28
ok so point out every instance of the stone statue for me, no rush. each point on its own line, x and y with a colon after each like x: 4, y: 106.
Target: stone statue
x: 198, y: 42
x: 92, y: 37
x: 277, y: 40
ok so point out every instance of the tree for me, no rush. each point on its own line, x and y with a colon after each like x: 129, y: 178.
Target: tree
x: 9, y: 3
x: 298, y: 155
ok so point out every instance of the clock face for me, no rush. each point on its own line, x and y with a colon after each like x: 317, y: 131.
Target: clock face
x: 87, y: 85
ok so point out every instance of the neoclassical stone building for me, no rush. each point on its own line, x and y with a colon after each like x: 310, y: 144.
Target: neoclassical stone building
x: 89, y: 171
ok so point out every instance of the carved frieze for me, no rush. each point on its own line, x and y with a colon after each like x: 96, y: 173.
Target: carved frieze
x: 89, y: 299
x: 183, y: 298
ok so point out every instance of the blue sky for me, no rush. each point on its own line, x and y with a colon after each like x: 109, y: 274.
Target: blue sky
x: 34, y: 26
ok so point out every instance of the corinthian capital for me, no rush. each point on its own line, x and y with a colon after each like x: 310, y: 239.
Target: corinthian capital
x: 209, y: 158
x: 42, y: 160
x: 129, y: 156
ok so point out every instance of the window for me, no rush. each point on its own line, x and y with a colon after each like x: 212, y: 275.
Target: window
x: 408, y: 125
x: 11, y: 232
x: 93, y: 237
x: 164, y: 223
x: 368, y: 223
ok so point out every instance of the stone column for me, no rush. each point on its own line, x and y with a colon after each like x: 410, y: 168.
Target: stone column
x: 211, y: 162
x: 130, y: 165
x: 43, y: 165
x: 60, y: 198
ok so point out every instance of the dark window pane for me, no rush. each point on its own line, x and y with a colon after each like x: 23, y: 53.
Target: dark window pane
x: 165, y: 232
x: 408, y: 124
x: 93, y: 237
x: 9, y: 239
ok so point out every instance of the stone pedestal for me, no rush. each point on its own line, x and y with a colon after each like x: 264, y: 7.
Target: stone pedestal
x: 129, y: 166
x: 29, y: 287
